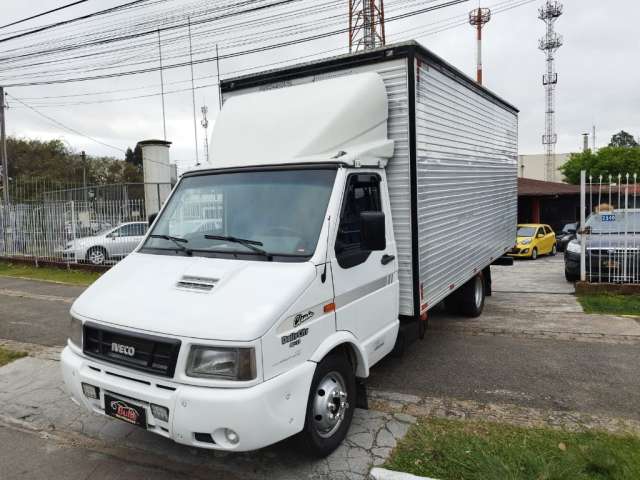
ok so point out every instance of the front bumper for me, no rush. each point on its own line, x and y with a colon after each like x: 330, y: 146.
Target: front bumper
x: 261, y: 415
x: 520, y: 251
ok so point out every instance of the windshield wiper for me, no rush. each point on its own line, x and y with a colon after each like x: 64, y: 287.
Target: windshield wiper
x: 250, y: 244
x: 177, y: 241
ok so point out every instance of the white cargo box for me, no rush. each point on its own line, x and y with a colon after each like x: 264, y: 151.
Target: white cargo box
x: 453, y: 177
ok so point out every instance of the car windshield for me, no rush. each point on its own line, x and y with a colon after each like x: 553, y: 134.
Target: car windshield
x: 614, y: 222
x: 526, y: 231
x: 280, y: 212
x: 570, y: 227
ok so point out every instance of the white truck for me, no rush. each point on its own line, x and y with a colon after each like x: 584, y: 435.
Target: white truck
x: 353, y: 195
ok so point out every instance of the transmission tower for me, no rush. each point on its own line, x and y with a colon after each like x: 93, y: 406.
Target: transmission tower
x: 366, y: 24
x: 479, y: 18
x: 549, y: 44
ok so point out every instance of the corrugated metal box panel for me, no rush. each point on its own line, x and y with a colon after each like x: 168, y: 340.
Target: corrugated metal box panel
x: 466, y: 181
x: 395, y: 76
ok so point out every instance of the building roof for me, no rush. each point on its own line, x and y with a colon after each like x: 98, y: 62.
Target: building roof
x: 528, y: 187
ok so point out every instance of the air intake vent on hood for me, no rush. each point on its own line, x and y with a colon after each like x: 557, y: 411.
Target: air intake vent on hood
x: 198, y: 284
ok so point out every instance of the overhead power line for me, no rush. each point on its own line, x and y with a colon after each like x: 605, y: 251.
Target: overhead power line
x: 72, y: 20
x: 42, y: 14
x: 62, y: 125
x: 233, y: 54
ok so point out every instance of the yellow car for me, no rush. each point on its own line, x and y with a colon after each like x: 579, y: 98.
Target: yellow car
x: 534, y: 239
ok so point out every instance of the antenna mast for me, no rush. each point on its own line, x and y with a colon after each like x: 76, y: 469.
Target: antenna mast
x: 479, y: 18
x: 205, y: 125
x: 549, y: 44
x: 366, y: 25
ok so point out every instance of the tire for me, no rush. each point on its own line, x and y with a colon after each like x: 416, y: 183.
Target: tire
x: 323, y: 433
x: 97, y: 256
x: 571, y: 277
x: 554, y: 250
x: 534, y: 254
x: 471, y: 297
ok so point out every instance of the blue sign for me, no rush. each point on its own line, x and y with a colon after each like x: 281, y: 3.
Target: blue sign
x: 608, y: 218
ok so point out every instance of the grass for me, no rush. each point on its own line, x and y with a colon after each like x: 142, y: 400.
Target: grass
x: 610, y: 304
x: 7, y: 356
x: 457, y: 450
x: 75, y: 277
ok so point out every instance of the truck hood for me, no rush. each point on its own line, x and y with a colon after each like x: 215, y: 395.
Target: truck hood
x: 142, y: 292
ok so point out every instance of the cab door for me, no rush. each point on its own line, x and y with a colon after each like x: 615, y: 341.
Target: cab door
x: 366, y: 282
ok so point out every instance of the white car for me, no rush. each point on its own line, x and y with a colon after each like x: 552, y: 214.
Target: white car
x: 110, y: 244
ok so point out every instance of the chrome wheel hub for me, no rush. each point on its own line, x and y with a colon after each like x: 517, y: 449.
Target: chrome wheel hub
x: 96, y: 257
x: 330, y: 404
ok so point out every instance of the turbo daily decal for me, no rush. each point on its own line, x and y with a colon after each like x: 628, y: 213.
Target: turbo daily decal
x: 293, y: 338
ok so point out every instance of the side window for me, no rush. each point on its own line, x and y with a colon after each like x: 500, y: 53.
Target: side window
x: 138, y: 229
x: 362, y: 195
x: 547, y: 230
x: 127, y: 231
x: 540, y: 231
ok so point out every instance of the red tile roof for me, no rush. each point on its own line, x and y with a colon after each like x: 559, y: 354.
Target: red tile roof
x: 528, y: 187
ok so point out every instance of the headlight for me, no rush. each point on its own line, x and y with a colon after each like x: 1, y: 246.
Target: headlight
x: 526, y: 241
x: 222, y: 363
x: 75, y: 332
x: 574, y: 247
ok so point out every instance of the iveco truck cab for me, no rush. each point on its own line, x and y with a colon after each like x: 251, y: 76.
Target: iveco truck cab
x: 275, y: 277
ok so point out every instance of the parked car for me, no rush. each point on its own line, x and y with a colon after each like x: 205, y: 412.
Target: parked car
x: 110, y: 244
x: 567, y: 234
x: 612, y: 241
x: 532, y: 240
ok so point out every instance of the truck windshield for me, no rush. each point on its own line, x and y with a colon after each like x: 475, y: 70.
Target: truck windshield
x: 258, y: 213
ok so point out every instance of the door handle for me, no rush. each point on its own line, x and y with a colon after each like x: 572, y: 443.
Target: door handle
x: 386, y: 259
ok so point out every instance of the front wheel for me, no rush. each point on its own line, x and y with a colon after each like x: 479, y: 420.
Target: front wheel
x: 97, y: 256
x: 534, y: 254
x: 330, y: 406
x: 554, y: 250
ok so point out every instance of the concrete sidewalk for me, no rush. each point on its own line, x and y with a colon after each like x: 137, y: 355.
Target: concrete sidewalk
x: 533, y: 299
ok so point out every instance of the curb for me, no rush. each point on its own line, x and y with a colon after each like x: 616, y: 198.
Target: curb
x: 384, y: 474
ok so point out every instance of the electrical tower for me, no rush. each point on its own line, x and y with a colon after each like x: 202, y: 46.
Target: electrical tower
x: 549, y: 44
x: 366, y: 25
x: 479, y: 18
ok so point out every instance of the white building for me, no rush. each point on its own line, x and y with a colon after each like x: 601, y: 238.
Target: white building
x: 535, y: 167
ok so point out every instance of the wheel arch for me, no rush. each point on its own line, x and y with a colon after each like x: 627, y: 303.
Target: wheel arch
x: 347, y: 342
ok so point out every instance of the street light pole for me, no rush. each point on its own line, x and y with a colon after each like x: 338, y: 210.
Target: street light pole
x: 3, y: 151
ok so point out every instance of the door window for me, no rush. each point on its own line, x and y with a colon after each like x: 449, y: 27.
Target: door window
x: 547, y: 230
x: 362, y: 195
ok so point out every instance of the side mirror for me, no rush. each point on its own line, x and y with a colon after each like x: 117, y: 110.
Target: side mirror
x: 152, y: 218
x: 540, y: 235
x: 372, y: 230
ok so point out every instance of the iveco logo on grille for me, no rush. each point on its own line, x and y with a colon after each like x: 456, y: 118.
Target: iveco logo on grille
x: 123, y: 349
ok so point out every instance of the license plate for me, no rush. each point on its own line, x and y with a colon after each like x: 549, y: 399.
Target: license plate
x: 125, y: 411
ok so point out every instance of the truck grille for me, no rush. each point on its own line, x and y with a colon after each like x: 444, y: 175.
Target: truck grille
x: 147, y: 353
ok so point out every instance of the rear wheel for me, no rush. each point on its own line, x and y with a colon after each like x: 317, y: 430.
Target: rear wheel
x: 534, y: 253
x: 472, y: 294
x: 330, y: 407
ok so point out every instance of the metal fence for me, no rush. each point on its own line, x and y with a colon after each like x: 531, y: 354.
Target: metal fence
x: 609, y: 236
x: 98, y: 232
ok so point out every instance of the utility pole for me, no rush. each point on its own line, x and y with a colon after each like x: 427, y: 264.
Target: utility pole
x: 585, y: 142
x: 164, y: 121
x: 84, y: 176
x: 3, y: 151
x: 550, y: 44
x: 193, y: 93
x: 479, y: 18
x: 366, y: 25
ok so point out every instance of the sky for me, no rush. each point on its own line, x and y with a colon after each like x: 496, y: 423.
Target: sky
x: 598, y: 76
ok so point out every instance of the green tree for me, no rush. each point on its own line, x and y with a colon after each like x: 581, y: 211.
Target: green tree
x: 134, y: 157
x: 607, y: 161
x: 623, y: 139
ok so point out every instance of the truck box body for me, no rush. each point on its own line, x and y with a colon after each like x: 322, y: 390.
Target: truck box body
x: 453, y: 176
